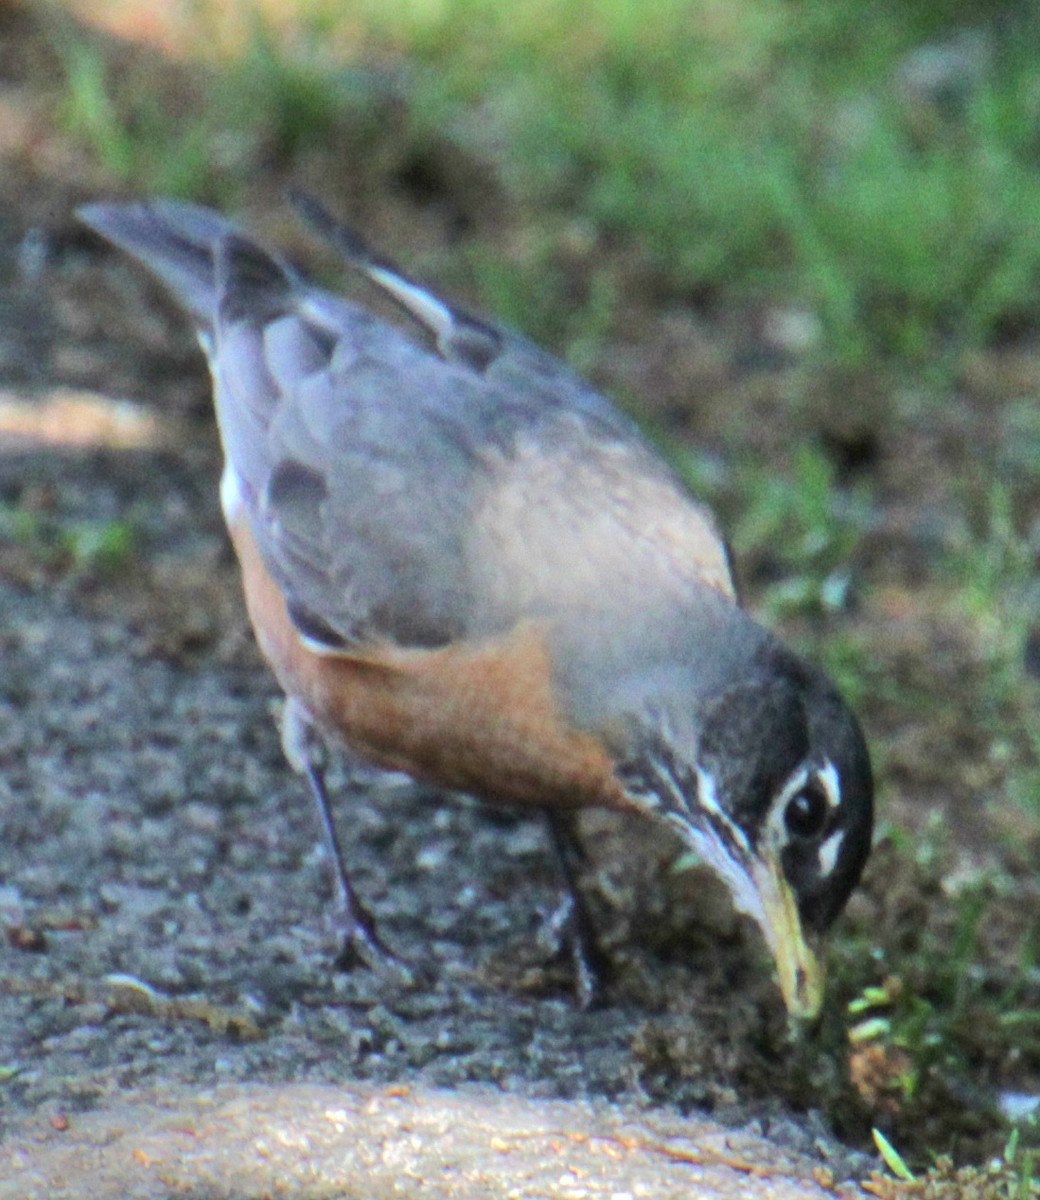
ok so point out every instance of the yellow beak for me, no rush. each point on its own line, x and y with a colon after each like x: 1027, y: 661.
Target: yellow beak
x: 800, y: 972
x: 759, y: 889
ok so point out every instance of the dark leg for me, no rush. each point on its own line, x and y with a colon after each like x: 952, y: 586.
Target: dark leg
x: 571, y: 924
x: 360, y: 943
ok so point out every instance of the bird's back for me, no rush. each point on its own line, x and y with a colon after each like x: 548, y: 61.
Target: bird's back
x: 418, y: 490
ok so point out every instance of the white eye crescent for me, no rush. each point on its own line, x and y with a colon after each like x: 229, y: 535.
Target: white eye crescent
x: 828, y: 853
x: 828, y: 776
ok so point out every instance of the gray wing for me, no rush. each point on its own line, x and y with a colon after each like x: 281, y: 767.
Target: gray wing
x: 408, y: 492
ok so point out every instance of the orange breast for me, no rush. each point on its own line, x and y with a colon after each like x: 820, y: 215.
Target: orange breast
x: 478, y: 717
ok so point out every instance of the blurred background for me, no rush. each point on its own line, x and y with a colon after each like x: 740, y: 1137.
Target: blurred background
x: 798, y: 240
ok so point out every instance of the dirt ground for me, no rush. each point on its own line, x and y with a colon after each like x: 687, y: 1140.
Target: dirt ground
x: 169, y: 1019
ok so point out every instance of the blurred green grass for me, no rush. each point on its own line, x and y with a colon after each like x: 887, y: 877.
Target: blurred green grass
x: 876, y: 163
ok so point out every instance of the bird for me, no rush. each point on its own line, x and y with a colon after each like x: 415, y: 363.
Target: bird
x: 462, y: 562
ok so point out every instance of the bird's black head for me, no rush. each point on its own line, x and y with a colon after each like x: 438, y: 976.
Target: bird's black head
x: 771, y: 786
x: 790, y: 767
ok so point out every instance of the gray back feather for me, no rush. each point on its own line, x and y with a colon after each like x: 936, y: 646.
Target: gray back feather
x: 416, y: 493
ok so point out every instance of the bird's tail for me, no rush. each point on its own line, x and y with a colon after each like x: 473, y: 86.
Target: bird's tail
x: 176, y: 241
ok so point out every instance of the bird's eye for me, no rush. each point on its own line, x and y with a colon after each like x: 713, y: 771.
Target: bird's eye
x: 807, y: 811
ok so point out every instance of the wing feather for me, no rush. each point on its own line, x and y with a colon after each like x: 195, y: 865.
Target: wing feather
x: 407, y: 493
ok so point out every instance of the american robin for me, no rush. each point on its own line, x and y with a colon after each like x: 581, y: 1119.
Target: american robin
x: 464, y: 564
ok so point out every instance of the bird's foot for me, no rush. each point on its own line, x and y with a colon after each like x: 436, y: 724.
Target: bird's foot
x: 361, y: 946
